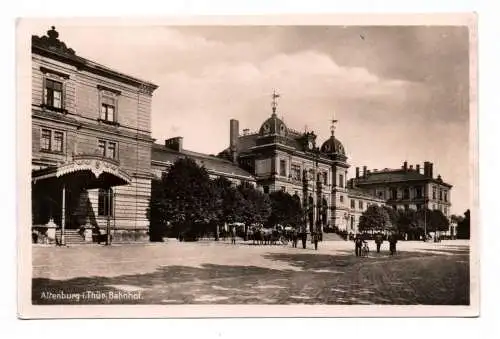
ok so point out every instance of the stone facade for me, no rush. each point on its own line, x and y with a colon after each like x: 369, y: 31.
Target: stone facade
x: 84, y: 110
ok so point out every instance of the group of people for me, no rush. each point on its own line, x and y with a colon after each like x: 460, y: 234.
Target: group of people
x: 295, y: 235
x: 360, y: 242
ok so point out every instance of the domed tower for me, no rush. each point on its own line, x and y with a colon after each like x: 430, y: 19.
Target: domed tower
x: 273, y: 126
x: 334, y: 150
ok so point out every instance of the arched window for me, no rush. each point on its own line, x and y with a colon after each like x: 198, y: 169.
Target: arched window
x: 105, y: 203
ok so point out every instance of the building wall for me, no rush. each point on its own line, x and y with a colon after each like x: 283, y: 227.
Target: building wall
x: 82, y: 130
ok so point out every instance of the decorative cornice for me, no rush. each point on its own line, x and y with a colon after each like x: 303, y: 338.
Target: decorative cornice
x: 46, y: 70
x: 112, y: 90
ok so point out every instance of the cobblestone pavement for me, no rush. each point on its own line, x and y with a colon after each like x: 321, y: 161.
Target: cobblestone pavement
x: 209, y: 272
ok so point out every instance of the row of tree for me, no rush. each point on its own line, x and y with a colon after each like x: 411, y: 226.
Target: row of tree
x: 186, y: 201
x: 411, y: 222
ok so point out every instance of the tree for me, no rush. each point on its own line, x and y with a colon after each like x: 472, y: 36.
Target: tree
x: 186, y: 199
x: 156, y: 211
x: 256, y: 205
x: 438, y: 221
x: 393, y: 215
x: 229, y: 203
x: 285, y: 209
x: 374, y: 218
x: 463, y: 227
x: 407, y: 221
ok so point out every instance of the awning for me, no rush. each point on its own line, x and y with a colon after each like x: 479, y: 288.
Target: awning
x: 100, y: 169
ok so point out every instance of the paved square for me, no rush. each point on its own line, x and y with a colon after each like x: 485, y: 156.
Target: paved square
x: 210, y: 272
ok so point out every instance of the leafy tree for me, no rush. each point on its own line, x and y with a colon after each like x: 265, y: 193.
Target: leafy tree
x: 393, y: 215
x: 186, y: 199
x: 374, y: 218
x: 256, y: 205
x: 463, y: 227
x: 407, y: 221
x: 156, y: 211
x: 432, y: 220
x: 285, y: 209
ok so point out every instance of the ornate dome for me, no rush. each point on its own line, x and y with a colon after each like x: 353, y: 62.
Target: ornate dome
x: 273, y: 125
x: 333, y: 146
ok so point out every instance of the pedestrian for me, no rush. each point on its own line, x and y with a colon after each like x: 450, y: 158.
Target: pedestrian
x: 233, y: 236
x: 304, y: 238
x: 295, y: 238
x: 392, y: 243
x: 315, y: 237
x: 379, y: 239
x: 358, y: 243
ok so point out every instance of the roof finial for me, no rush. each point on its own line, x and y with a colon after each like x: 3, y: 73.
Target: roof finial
x: 274, y: 103
x: 332, y: 126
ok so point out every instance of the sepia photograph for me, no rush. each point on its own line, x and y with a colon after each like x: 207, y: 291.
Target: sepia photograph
x: 252, y: 167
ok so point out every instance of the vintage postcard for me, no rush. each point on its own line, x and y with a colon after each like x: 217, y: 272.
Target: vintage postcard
x: 281, y: 166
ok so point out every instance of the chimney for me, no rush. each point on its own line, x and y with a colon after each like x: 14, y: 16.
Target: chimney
x: 174, y: 144
x: 405, y: 165
x: 357, y: 172
x: 426, y: 168
x: 364, y: 171
x: 234, y: 133
x: 418, y: 168
x: 411, y: 167
x: 431, y: 170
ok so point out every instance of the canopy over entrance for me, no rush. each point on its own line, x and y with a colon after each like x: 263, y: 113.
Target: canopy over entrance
x: 90, y: 171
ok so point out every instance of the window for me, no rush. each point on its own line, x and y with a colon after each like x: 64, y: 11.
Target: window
x: 406, y: 193
x: 341, y: 180
x: 296, y: 172
x: 283, y: 168
x: 108, y: 109
x: 342, y: 199
x: 407, y: 207
x: 353, y: 203
x: 283, y: 188
x: 440, y: 195
x: 434, y: 193
x: 418, y: 192
x: 266, y: 189
x: 325, y: 178
x: 105, y: 202
x: 352, y: 222
x: 360, y: 204
x: 381, y: 194
x: 394, y: 193
x: 108, y: 149
x: 52, y: 141
x: 53, y: 93
x: 46, y: 141
x: 445, y: 196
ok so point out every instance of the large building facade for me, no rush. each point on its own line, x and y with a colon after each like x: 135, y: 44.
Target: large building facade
x: 91, y: 145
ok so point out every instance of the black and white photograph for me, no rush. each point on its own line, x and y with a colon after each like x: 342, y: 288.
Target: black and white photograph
x: 323, y: 167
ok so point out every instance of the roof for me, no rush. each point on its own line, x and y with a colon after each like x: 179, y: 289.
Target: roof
x: 358, y: 192
x: 51, y: 45
x: 211, y: 163
x: 396, y: 176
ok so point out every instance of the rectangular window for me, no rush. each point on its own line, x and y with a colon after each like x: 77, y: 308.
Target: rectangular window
x: 52, y: 141
x: 353, y: 203
x: 445, y: 196
x: 102, y: 148
x: 406, y: 193
x: 108, y: 109
x: 53, y: 93
x: 111, y: 152
x: 434, y: 193
x: 105, y: 202
x: 360, y: 204
x: 46, y: 140
x: 283, y: 168
x: 394, y: 193
x: 440, y: 195
x: 325, y: 178
x: 58, y: 141
x: 296, y: 172
x: 341, y: 180
x: 419, y: 192
x: 266, y: 189
x: 341, y: 198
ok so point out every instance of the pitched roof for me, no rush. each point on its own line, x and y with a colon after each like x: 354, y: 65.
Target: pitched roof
x: 211, y: 163
x: 398, y: 175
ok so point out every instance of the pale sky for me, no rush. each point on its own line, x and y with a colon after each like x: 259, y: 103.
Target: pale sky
x: 399, y: 93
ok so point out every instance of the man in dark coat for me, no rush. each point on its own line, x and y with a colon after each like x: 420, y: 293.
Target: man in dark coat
x: 392, y: 243
x: 379, y: 239
x: 315, y: 239
x: 303, y: 236
x: 295, y: 238
x: 358, y: 244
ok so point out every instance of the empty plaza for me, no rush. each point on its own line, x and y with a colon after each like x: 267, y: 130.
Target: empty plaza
x: 209, y: 272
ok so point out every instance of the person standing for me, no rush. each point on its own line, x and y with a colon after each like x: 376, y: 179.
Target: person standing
x: 295, y: 238
x: 233, y: 235
x: 358, y: 243
x: 304, y: 238
x: 378, y: 241
x: 315, y: 237
x: 392, y: 243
